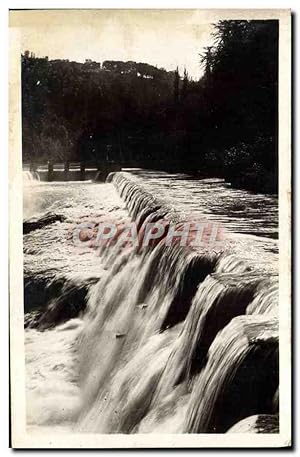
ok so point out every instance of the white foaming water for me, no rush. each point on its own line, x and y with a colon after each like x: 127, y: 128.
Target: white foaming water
x: 250, y: 220
x: 139, y: 358
x: 51, y: 374
x: 51, y: 356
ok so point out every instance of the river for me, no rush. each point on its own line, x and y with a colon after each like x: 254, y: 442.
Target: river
x: 161, y: 340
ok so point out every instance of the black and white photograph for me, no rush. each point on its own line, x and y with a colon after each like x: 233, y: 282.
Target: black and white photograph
x: 150, y: 289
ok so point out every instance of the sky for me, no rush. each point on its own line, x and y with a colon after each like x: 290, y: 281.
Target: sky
x: 166, y: 38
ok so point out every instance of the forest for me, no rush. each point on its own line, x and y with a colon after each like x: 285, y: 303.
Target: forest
x: 224, y: 124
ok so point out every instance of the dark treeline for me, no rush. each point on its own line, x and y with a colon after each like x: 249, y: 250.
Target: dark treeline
x: 224, y: 124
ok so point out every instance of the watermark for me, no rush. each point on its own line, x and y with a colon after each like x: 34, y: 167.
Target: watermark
x: 185, y: 234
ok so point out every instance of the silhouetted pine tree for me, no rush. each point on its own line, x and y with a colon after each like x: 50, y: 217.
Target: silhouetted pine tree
x: 176, y: 85
x: 184, y: 83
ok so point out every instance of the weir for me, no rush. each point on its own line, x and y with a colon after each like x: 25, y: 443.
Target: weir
x: 174, y: 339
x: 175, y: 309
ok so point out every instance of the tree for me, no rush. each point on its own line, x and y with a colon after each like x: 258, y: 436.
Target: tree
x: 184, y: 84
x: 207, y: 60
x: 152, y: 117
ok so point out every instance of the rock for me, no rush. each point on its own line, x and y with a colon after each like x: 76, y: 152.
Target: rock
x: 261, y: 423
x: 143, y: 305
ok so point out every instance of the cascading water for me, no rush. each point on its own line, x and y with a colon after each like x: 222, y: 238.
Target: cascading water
x: 164, y: 339
x: 239, y: 378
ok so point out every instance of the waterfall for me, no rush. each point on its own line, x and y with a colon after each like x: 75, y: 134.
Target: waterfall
x: 162, y: 338
x: 30, y: 180
x: 175, y: 340
x: 29, y: 176
x: 239, y: 378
